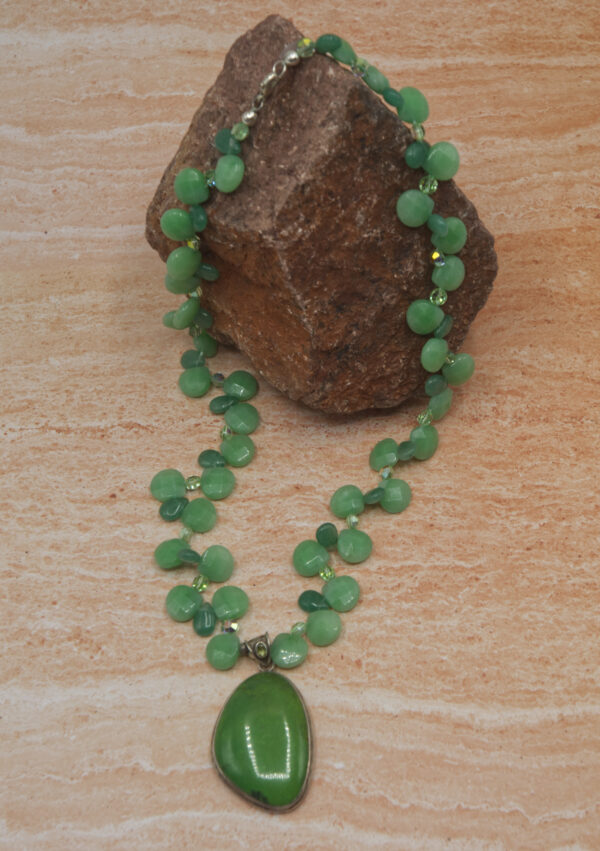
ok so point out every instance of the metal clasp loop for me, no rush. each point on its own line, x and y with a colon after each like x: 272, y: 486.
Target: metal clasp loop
x: 259, y: 649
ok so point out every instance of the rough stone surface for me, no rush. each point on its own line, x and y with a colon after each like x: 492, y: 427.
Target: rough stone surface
x: 316, y: 269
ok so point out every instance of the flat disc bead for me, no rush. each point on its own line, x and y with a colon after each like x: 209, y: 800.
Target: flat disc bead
x: 342, y: 593
x: 223, y: 650
x: 195, y: 382
x: 168, y: 484
x: 229, y: 173
x: 183, y: 602
x: 183, y: 262
x: 347, y: 500
x: 455, y: 239
x: 396, y: 497
x: 241, y: 384
x: 383, y: 454
x: 238, y: 450
x: 414, y: 109
x: 433, y: 354
x: 217, y: 563
x: 177, y: 224
x: 230, y: 602
x: 413, y: 208
x: 323, y: 627
x: 423, y: 317
x: 442, y: 161
x: 451, y: 275
x: 460, y: 371
x: 288, y: 651
x: 191, y: 186
x: 166, y: 554
x: 425, y: 440
x: 354, y: 545
x: 309, y: 557
x: 199, y: 515
x: 242, y: 418
x: 217, y: 482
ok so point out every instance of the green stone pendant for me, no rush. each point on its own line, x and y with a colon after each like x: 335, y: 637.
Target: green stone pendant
x: 261, y: 743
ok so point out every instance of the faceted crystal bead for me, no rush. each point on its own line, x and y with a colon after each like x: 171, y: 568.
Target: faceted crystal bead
x: 437, y: 258
x: 352, y: 521
x: 298, y: 628
x: 359, y: 67
x: 210, y: 178
x: 438, y: 296
x: 386, y: 472
x: 229, y: 626
x: 200, y: 582
x: 424, y: 418
x: 187, y: 532
x: 240, y: 131
x: 305, y: 47
x: 428, y: 184
x: 418, y: 133
x: 192, y: 483
x: 326, y: 573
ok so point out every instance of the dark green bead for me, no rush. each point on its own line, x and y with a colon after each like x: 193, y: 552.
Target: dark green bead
x: 425, y: 439
x: 187, y: 285
x: 442, y: 161
x: 327, y: 535
x: 383, y: 454
x: 205, y: 620
x: 242, y: 418
x: 444, y: 327
x: 373, y: 496
x: 203, y: 319
x: 199, y: 515
x: 191, y: 358
x: 414, y: 109
x: 208, y: 272
x: 309, y: 558
x: 172, y: 509
x: 186, y: 313
x: 439, y: 405
x: 206, y: 344
x: 396, y: 497
x: 189, y: 556
x: 354, y: 546
x: 347, y: 500
x: 182, y: 262
x: 183, y: 602
x: 437, y: 224
x: 393, y: 97
x: 177, y: 224
x: 451, y: 275
x: 167, y: 484
x: 191, y: 187
x: 168, y: 317
x: 199, y: 218
x: 435, y: 384
x: 312, y: 601
x: 406, y: 450
x: 460, y: 371
x: 226, y: 143
x: 327, y: 43
x: 195, y: 382
x: 454, y: 240
x: 210, y: 458
x: 433, y: 354
x: 344, y: 53
x: 217, y: 482
x: 219, y: 404
x: 166, y: 554
x: 375, y: 80
x: 238, y: 450
x: 241, y: 384
x: 414, y: 155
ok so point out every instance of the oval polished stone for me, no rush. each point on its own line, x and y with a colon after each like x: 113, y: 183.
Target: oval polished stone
x: 323, y: 627
x: 183, y: 602
x: 200, y: 515
x: 229, y: 172
x: 168, y: 484
x: 217, y: 482
x: 309, y: 557
x: 223, y: 650
x: 262, y: 741
x: 230, y: 603
x: 347, y: 500
x: 288, y: 651
x: 238, y: 450
x: 342, y: 593
x: 396, y: 497
x: 354, y: 546
x: 217, y: 563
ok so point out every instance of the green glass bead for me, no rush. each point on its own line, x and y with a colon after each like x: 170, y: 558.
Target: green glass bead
x: 393, y: 97
x: 183, y: 602
x: 189, y: 556
x: 437, y: 224
x: 200, y: 515
x: 211, y: 458
x: 191, y: 187
x: 373, y: 496
x: 354, y: 546
x: 238, y: 450
x: 191, y: 358
x: 241, y: 384
x: 375, y: 80
x: 327, y: 535
x: 414, y: 109
x: 423, y: 317
x: 195, y: 382
x: 172, y: 509
x: 226, y: 143
x: 396, y: 497
x: 305, y: 47
x: 444, y: 327
x: 344, y: 53
x: 223, y: 650
x: 425, y: 439
x: 383, y: 454
x: 451, y: 275
x: 206, y: 344
x: 229, y: 602
x: 220, y: 404
x: 168, y: 317
x: 435, y: 384
x: 182, y: 262
x: 167, y: 484
x: 217, y: 563
x: 186, y: 313
x: 442, y: 161
x: 460, y: 371
x: 177, y: 224
x: 439, y: 405
x: 327, y: 43
x: 323, y: 627
x: 242, y: 418
x: 454, y: 239
x: 229, y: 173
x: 342, y: 593
x: 347, y: 500
x: 414, y: 155
x: 217, y: 482
x: 205, y: 620
x: 288, y: 651
x: 186, y: 285
x: 240, y: 131
x: 166, y: 554
x: 208, y: 272
x: 312, y: 601
x: 433, y: 354
x: 199, y: 218
x: 406, y: 450
x: 309, y: 557
x: 413, y: 208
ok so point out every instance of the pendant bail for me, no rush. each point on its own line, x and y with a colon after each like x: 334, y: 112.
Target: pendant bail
x: 259, y: 649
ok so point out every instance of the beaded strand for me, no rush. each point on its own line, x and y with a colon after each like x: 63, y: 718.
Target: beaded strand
x: 186, y: 273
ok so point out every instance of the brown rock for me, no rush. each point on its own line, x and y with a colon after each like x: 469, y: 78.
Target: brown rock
x: 316, y: 269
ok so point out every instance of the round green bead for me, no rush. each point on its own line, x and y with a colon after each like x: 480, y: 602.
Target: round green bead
x: 191, y: 358
x: 423, y: 317
x: 191, y: 186
x: 309, y: 557
x: 383, y: 454
x: 344, y: 53
x: 414, y: 155
x: 413, y: 208
x: 451, y: 275
x: 460, y: 371
x: 211, y: 458
x: 327, y: 535
x: 182, y: 262
x: 199, y: 515
x: 168, y: 484
x: 230, y: 603
x: 223, y: 650
x: 347, y: 500
x: 206, y: 344
x: 177, y: 224
x: 433, y: 354
x: 454, y: 239
x: 166, y: 554
x: 238, y: 450
x: 312, y: 601
x: 217, y: 563
x: 414, y: 109
x: 195, y: 382
x: 186, y: 285
x: 442, y: 161
x: 229, y: 173
x: 354, y: 546
x: 375, y: 80
x: 205, y: 620
x: 327, y: 43
x: 435, y: 384
x: 342, y: 593
x: 217, y: 482
x: 186, y: 313
x: 241, y: 384
x: 288, y: 651
x: 323, y: 627
x: 396, y: 497
x: 242, y: 418
x: 183, y: 602
x: 439, y: 405
x: 198, y: 217
x: 425, y: 439
x: 172, y: 509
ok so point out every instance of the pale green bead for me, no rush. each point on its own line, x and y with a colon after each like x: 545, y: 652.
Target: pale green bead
x: 423, y: 317
x: 166, y: 554
x: 396, y: 495
x: 288, y: 650
x: 347, y: 500
x: 414, y: 109
x: 182, y: 262
x: 323, y: 627
x: 425, y: 439
x: 451, y: 275
x: 354, y: 546
x: 195, y: 382
x: 167, y: 484
x: 344, y: 53
x: 442, y: 161
x: 177, y: 224
x: 439, y: 404
x: 433, y: 354
x: 376, y: 80
x: 238, y: 450
x: 217, y: 563
x: 199, y: 515
x: 455, y: 239
x: 309, y: 558
x: 460, y: 370
x: 342, y: 593
x: 413, y: 208
x: 183, y: 602
x: 191, y: 187
x: 186, y: 313
x: 230, y: 603
x: 383, y: 454
x: 217, y: 482
x: 242, y: 418
x: 229, y: 172
x: 223, y: 650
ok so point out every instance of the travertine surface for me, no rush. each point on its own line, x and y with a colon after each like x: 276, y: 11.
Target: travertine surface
x: 461, y: 707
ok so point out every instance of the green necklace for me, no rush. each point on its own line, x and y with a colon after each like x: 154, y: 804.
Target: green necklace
x: 262, y: 739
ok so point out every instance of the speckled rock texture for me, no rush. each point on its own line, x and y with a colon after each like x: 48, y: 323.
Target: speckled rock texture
x: 316, y: 269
